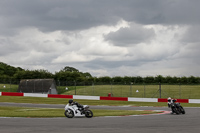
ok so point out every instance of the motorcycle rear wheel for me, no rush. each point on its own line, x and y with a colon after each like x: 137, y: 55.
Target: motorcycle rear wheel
x: 175, y: 110
x: 69, y: 113
x: 89, y: 114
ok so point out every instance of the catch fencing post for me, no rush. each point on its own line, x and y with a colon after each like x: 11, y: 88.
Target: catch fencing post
x: 180, y: 90
x: 160, y: 88
x: 131, y: 89
x: 144, y: 90
x: 92, y: 88
x: 75, y: 86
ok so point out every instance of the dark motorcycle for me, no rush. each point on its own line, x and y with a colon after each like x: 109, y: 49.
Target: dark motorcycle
x: 177, y: 108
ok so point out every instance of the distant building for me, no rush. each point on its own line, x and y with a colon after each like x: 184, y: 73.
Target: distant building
x: 45, y: 86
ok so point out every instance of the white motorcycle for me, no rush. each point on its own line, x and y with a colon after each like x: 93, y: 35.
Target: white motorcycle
x: 73, y: 111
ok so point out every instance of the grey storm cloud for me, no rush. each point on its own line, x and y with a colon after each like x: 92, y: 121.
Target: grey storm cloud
x: 192, y: 35
x: 111, y: 36
x: 50, y: 15
x: 130, y: 35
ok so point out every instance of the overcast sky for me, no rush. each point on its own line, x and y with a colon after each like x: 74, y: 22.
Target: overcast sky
x: 102, y: 37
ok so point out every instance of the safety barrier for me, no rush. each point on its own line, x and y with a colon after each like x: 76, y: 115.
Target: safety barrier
x: 97, y: 97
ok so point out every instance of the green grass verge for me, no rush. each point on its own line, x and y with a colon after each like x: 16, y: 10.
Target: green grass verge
x: 8, y: 88
x: 44, y: 112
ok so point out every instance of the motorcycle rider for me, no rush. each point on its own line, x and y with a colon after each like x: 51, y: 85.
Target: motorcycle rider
x: 170, y: 101
x: 80, y: 107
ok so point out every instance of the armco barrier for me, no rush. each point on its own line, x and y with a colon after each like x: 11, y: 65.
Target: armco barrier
x: 11, y: 94
x: 143, y: 99
x: 97, y: 97
x: 114, y: 98
x: 60, y: 96
x: 35, y: 95
x: 193, y: 100
x: 178, y: 100
x: 86, y: 97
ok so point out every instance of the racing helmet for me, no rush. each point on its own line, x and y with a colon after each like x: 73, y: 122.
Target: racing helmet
x: 174, y: 100
x: 169, y: 99
x: 70, y: 101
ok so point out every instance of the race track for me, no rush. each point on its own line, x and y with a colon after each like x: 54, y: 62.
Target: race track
x: 165, y: 123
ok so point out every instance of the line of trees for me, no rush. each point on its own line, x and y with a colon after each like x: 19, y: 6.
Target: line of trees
x: 72, y: 75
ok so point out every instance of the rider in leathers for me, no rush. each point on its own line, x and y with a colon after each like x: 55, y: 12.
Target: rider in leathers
x: 170, y: 101
x: 80, y: 107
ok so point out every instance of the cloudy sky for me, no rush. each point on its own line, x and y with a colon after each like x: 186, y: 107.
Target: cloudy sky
x: 102, y: 37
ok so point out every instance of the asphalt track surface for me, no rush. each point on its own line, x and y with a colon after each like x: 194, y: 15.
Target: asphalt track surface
x: 160, y: 123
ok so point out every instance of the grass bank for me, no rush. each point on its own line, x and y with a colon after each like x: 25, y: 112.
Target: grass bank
x: 143, y: 91
x: 46, y: 113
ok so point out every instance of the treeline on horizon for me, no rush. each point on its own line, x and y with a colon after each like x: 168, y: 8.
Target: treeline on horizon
x: 72, y: 75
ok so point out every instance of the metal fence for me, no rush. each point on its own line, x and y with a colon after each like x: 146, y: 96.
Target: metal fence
x: 133, y: 90
x: 188, y: 91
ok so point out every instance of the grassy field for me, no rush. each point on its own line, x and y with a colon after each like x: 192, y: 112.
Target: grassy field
x: 147, y: 91
x: 8, y: 88
x: 44, y: 112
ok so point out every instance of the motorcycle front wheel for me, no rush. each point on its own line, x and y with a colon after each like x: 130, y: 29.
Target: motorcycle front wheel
x: 182, y: 110
x: 89, y: 114
x: 69, y: 113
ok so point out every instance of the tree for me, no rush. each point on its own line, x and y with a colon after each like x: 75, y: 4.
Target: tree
x: 72, y: 75
x: 87, y: 74
x: 128, y: 80
x: 139, y: 79
x: 149, y: 79
x: 117, y: 79
x: 70, y: 69
x: 33, y: 74
x: 104, y: 79
x: 8, y: 70
x: 183, y: 80
x: 193, y: 80
x: 159, y: 79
